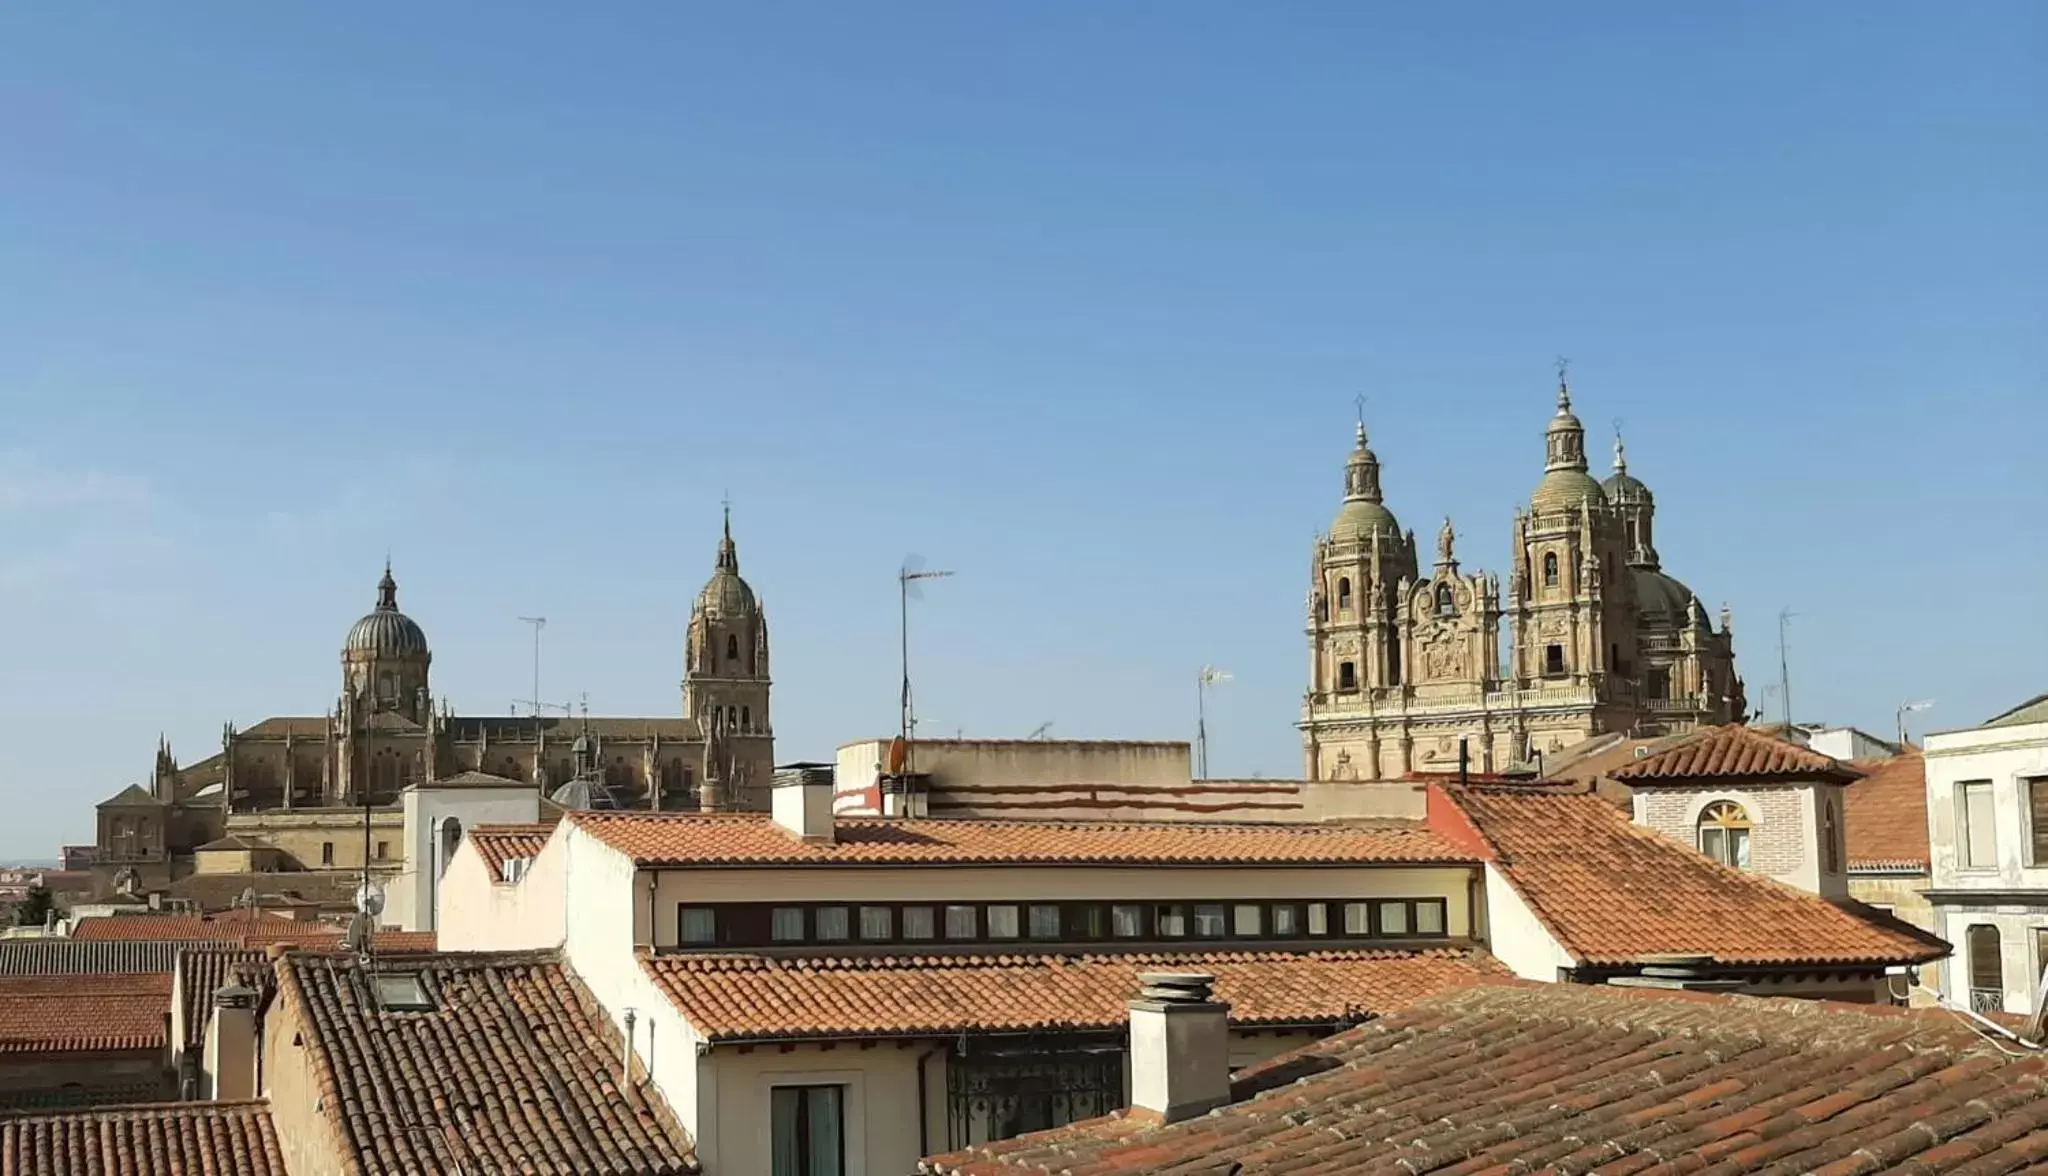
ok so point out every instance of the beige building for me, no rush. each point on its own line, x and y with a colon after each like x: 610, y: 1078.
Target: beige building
x: 1404, y: 668
x: 298, y: 784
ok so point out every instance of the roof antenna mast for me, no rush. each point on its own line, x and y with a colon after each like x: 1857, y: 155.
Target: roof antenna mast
x: 907, y: 578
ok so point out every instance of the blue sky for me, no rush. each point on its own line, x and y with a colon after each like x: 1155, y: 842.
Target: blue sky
x: 1070, y: 298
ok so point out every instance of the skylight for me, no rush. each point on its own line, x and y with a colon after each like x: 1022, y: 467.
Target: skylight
x: 401, y: 992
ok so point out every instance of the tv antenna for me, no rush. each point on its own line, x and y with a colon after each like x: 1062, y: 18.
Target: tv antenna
x: 538, y: 624
x: 1041, y: 731
x: 1210, y: 676
x: 1785, y: 616
x: 908, y: 577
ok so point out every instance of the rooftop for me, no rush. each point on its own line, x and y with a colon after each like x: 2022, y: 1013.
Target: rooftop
x: 497, y: 844
x: 1610, y: 891
x: 2034, y: 710
x: 45, y: 957
x: 511, y: 1059
x: 1734, y: 750
x: 242, y: 928
x: 752, y: 839
x: 173, y: 1139
x: 206, y: 970
x: 1563, y: 1078
x: 83, y: 1013
x: 1884, y: 817
x: 738, y: 997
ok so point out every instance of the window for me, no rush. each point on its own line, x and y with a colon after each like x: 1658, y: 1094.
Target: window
x: 1979, y: 841
x: 1087, y: 922
x: 746, y: 718
x: 1553, y: 661
x: 1393, y: 918
x: 1171, y: 921
x: 696, y: 925
x: 1002, y: 921
x: 401, y: 992
x: 1343, y: 592
x: 327, y: 853
x: 383, y: 850
x: 831, y: 923
x: 1347, y: 676
x: 2037, y: 818
x: 1209, y: 920
x: 1724, y: 834
x: 1830, y: 837
x: 1657, y: 683
x: 1045, y: 921
x: 732, y: 648
x: 961, y: 922
x: 1446, y: 603
x: 786, y: 925
x: 877, y: 922
x: 1429, y: 918
x: 1357, y: 918
x: 918, y: 923
x: 1286, y: 920
x: 1246, y: 919
x: 806, y: 1123
x: 1318, y: 918
x: 1550, y: 569
x: 1987, y: 969
x: 1127, y: 920
x: 514, y: 869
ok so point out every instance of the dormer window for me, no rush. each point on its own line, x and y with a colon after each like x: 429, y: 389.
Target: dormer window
x: 401, y: 992
x: 1724, y: 834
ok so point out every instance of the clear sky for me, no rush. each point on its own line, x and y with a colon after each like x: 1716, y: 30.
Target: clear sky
x: 1070, y: 298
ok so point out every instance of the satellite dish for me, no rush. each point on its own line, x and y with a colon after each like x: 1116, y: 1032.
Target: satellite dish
x: 898, y: 751
x: 370, y: 899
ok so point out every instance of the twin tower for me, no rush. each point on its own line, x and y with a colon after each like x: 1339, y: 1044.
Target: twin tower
x: 1405, y: 667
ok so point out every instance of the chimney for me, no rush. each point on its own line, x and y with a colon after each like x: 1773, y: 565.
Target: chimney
x: 229, y: 1067
x: 1180, y: 1046
x: 802, y: 803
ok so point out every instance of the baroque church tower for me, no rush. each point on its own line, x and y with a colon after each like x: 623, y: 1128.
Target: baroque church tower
x: 1406, y: 671
x: 725, y: 685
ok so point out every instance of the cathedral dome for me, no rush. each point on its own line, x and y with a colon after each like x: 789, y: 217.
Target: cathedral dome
x: 1621, y: 487
x: 1566, y: 490
x: 1363, y: 514
x: 1659, y: 593
x: 1566, y: 485
x: 386, y: 631
x: 726, y: 595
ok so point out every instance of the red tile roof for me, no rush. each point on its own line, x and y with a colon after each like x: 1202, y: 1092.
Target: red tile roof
x: 1610, y: 891
x: 730, y: 997
x: 513, y: 1068
x: 205, y: 971
x: 242, y: 928
x: 751, y: 839
x: 188, y: 927
x: 1884, y: 817
x: 1564, y: 1078
x: 83, y: 1013
x: 497, y: 844
x: 175, y: 1139
x: 1734, y: 750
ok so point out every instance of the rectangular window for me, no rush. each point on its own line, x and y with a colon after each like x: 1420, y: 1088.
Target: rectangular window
x: 1319, y: 918
x: 2037, y: 818
x: 962, y: 923
x: 1045, y: 921
x: 786, y: 925
x: 1209, y: 920
x: 1127, y: 920
x: 1002, y: 921
x: 808, y: 1131
x: 383, y: 851
x: 1170, y: 922
x: 1429, y: 917
x: 1087, y: 922
x: 918, y: 923
x: 696, y: 925
x: 831, y: 923
x: 1979, y: 841
x: 327, y: 853
x: 1357, y: 918
x: 1247, y: 920
x: 1286, y: 920
x: 877, y: 922
x: 1987, y: 969
x: 1393, y: 918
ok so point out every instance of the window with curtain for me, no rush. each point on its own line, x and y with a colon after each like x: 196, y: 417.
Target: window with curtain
x: 877, y: 922
x: 1393, y: 918
x: 696, y: 925
x: 1357, y: 918
x: 918, y: 923
x: 1724, y: 834
x: 1979, y: 842
x: 1987, y: 969
x: 1245, y: 919
x: 786, y: 925
x: 1209, y: 921
x: 1045, y: 921
x: 832, y: 923
x: 1002, y: 921
x: 1170, y: 921
x: 961, y: 922
x: 1286, y: 920
x: 808, y: 1130
x: 1127, y: 920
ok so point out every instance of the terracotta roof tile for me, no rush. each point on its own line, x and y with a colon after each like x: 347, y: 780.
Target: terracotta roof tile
x: 1564, y: 1078
x: 669, y: 839
x: 45, y: 957
x: 83, y: 1013
x: 1884, y: 817
x: 205, y: 971
x: 729, y: 997
x: 515, y: 1068
x: 186, y: 927
x: 179, y: 1139
x: 243, y: 928
x: 1733, y: 750
x: 1610, y: 891
x: 497, y: 844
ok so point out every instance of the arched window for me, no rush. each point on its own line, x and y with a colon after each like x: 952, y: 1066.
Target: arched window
x: 1446, y: 601
x: 1550, y: 569
x: 746, y: 718
x: 1343, y: 593
x: 732, y: 648
x: 671, y: 776
x: 1830, y: 832
x: 451, y: 840
x: 1724, y: 834
x: 1347, y: 676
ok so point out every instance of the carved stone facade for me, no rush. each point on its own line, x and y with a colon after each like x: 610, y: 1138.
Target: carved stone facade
x: 1404, y: 668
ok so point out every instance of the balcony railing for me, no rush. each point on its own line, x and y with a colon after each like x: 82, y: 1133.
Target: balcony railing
x: 1987, y: 1000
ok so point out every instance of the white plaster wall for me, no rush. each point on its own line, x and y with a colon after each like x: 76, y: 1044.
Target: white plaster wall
x: 2008, y: 757
x: 2018, y: 950
x: 1515, y: 935
x: 480, y: 913
x: 414, y: 900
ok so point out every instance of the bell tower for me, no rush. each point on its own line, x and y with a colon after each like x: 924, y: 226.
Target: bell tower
x: 726, y: 680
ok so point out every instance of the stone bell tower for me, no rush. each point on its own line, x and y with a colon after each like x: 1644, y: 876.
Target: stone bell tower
x: 726, y: 680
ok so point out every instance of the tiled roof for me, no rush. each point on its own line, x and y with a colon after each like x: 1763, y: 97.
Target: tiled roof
x: 175, y: 1139
x: 205, y: 971
x: 1563, y: 1078
x: 1610, y: 891
x: 242, y: 928
x: 2034, y: 710
x: 744, y: 996
x: 1734, y: 750
x: 80, y: 1013
x: 515, y: 1068
x: 497, y: 844
x: 221, y: 892
x: 186, y: 927
x: 44, y: 957
x: 674, y: 839
x: 1884, y: 818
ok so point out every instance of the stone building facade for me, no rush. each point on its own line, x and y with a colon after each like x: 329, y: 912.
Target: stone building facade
x: 1404, y: 668
x: 299, y: 783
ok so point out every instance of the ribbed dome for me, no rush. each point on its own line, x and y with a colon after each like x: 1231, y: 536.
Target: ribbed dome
x: 386, y: 631
x: 726, y: 594
x: 1623, y: 488
x: 1566, y: 489
x: 1659, y: 593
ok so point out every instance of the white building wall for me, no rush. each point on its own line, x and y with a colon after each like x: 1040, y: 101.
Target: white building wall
x: 1517, y: 937
x: 414, y: 900
x: 479, y: 912
x: 2015, y: 887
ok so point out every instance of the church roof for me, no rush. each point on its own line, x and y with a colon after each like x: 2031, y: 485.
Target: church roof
x: 474, y: 779
x: 386, y: 632
x: 133, y: 796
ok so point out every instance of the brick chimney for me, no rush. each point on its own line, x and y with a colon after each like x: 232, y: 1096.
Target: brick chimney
x: 802, y: 804
x: 230, y: 1063
x: 1180, y: 1046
